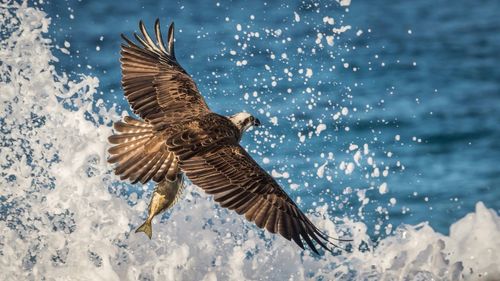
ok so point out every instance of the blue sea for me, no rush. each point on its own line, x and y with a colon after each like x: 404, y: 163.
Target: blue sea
x: 380, y: 118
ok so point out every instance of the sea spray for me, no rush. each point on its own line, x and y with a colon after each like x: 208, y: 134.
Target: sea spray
x: 63, y: 213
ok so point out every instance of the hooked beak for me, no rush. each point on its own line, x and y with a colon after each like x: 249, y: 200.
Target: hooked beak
x: 256, y: 122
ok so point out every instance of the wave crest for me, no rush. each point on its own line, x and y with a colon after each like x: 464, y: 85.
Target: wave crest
x: 64, y: 214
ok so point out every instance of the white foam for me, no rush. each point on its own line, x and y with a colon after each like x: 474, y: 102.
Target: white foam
x: 328, y: 20
x: 296, y: 17
x: 321, y: 170
x: 341, y: 29
x: 344, y: 3
x: 64, y: 214
x: 383, y: 189
x: 345, y: 111
x: 320, y: 128
x: 309, y: 73
x: 329, y: 40
x: 349, y: 168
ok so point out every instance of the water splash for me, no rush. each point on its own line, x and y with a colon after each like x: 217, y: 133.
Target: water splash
x: 63, y: 213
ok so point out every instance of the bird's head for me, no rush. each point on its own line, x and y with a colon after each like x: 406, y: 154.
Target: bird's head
x: 244, y: 121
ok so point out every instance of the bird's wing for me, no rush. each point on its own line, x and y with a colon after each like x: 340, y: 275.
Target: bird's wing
x: 239, y: 183
x: 158, y: 89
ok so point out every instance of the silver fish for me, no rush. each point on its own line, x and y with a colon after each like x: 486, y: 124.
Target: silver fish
x: 165, y: 196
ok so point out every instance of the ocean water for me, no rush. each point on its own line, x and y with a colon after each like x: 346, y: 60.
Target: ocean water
x: 381, y: 121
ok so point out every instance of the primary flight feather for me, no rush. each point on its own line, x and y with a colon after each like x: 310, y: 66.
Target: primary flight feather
x: 179, y: 134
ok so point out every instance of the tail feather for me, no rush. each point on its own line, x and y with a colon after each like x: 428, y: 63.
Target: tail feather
x: 127, y: 146
x: 153, y: 170
x: 146, y: 228
x: 135, y: 122
x: 162, y: 172
x: 130, y: 162
x: 139, y: 154
x: 123, y: 127
x: 127, y: 137
x: 142, y: 172
x: 137, y: 165
x: 123, y: 156
x: 173, y: 171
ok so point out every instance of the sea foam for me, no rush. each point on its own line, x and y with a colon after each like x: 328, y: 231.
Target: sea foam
x: 63, y: 215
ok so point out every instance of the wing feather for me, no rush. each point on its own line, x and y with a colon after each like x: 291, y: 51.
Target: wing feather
x: 159, y: 38
x: 238, y: 183
x: 262, y: 215
x: 271, y: 220
x: 205, y: 147
x: 157, y: 88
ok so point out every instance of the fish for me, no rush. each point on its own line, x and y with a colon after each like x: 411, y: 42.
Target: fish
x: 165, y: 195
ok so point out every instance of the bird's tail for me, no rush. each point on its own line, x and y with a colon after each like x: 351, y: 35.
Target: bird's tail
x: 137, y: 152
x: 146, y: 228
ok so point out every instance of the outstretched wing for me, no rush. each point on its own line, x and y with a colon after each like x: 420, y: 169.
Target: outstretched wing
x: 239, y: 183
x: 158, y: 89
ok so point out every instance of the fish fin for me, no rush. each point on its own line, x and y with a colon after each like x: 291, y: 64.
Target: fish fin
x: 146, y: 228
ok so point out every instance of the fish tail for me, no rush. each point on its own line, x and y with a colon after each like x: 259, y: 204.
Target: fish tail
x: 146, y: 228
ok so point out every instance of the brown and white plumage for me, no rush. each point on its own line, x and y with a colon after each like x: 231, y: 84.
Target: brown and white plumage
x: 157, y: 88
x: 180, y: 134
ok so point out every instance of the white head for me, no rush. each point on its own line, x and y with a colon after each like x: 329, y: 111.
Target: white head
x: 244, y: 121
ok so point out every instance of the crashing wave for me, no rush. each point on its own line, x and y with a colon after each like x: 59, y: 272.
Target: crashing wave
x: 62, y: 213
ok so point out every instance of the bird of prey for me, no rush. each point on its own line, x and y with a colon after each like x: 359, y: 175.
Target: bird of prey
x: 177, y: 133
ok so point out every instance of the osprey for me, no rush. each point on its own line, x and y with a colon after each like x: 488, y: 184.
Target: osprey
x: 179, y: 134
